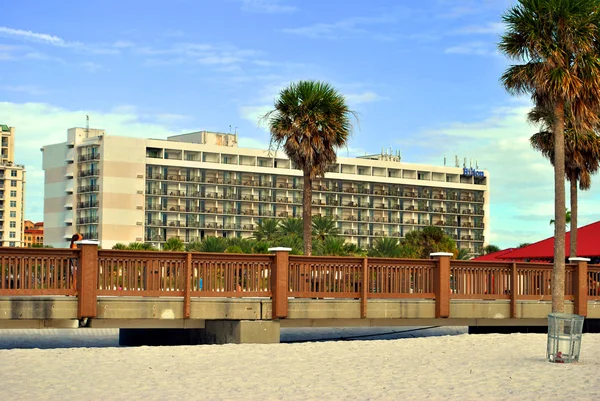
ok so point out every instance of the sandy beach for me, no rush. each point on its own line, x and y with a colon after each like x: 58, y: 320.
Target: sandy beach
x: 466, y: 367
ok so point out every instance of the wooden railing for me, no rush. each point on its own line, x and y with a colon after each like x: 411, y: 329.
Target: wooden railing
x: 39, y: 271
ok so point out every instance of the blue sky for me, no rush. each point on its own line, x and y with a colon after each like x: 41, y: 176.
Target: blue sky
x: 423, y: 78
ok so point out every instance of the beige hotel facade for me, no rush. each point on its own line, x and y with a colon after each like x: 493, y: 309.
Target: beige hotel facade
x: 12, y: 191
x: 119, y: 189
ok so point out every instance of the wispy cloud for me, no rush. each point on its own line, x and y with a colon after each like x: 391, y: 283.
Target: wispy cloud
x: 349, y: 27
x: 267, y: 6
x: 32, y: 36
x: 201, y: 53
x: 494, y: 28
x: 91, y: 66
x: 473, y: 48
x: 27, y: 89
x: 365, y: 97
x: 48, y: 39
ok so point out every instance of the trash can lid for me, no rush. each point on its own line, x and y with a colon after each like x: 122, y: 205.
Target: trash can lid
x: 565, y: 316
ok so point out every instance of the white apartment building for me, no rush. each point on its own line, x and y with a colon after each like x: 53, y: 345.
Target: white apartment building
x: 12, y: 191
x: 118, y: 189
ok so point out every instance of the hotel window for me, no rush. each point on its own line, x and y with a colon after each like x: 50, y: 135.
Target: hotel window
x: 13, y: 183
x: 13, y: 213
x: 12, y: 234
x: 11, y: 244
x: 13, y: 173
x: 13, y: 224
x: 13, y: 194
x: 13, y: 203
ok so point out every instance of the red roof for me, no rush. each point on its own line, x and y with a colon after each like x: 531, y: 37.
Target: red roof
x: 588, y: 245
x: 494, y: 256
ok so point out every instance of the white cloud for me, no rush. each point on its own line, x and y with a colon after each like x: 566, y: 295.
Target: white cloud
x: 32, y: 36
x: 91, y: 66
x: 48, y: 39
x: 267, y: 6
x: 521, y: 180
x: 473, y: 48
x: 28, y: 89
x: 494, y: 28
x: 365, y: 97
x: 349, y: 27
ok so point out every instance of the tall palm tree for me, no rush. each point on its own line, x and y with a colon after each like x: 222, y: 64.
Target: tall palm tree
x: 324, y: 227
x: 311, y: 120
x: 556, y: 42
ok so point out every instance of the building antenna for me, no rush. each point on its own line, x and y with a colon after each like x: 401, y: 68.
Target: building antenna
x: 87, y: 126
x: 230, y: 128
x: 444, y: 160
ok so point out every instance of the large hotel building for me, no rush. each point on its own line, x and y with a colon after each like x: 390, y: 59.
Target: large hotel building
x: 12, y: 191
x: 118, y: 189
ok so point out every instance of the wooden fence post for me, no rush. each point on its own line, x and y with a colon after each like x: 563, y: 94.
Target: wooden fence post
x: 87, y: 279
x: 364, y: 290
x: 514, y: 290
x: 441, y: 284
x: 279, y: 282
x: 187, y: 286
x: 581, y: 285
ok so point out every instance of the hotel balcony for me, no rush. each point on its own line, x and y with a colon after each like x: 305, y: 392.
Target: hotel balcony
x: 88, y: 220
x: 88, y: 157
x: 87, y: 205
x: 89, y: 173
x: 88, y: 188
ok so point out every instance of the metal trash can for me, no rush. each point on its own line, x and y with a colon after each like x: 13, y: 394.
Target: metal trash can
x: 564, y: 337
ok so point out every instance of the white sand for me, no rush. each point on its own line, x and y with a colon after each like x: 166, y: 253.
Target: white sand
x: 476, y: 367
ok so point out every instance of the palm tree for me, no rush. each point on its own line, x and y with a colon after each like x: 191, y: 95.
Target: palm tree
x: 331, y: 246
x: 385, y: 247
x: 556, y: 43
x: 567, y: 218
x: 582, y: 157
x: 213, y: 244
x: 311, y: 120
x: 266, y: 230
x: 174, y: 244
x: 463, y: 254
x: 490, y: 249
x: 291, y: 226
x: 324, y: 227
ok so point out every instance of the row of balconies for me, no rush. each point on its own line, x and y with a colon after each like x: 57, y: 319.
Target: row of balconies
x: 196, y: 224
x: 425, y: 194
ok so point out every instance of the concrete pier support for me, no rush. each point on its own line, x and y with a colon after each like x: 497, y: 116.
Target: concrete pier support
x: 215, y: 332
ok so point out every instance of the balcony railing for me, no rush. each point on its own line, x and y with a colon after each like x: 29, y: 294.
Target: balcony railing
x: 89, y: 173
x: 87, y: 157
x: 88, y: 188
x: 87, y: 205
x: 88, y: 220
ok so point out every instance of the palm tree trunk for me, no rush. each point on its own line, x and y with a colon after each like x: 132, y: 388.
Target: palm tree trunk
x: 558, y: 273
x: 307, y: 213
x: 573, y: 244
